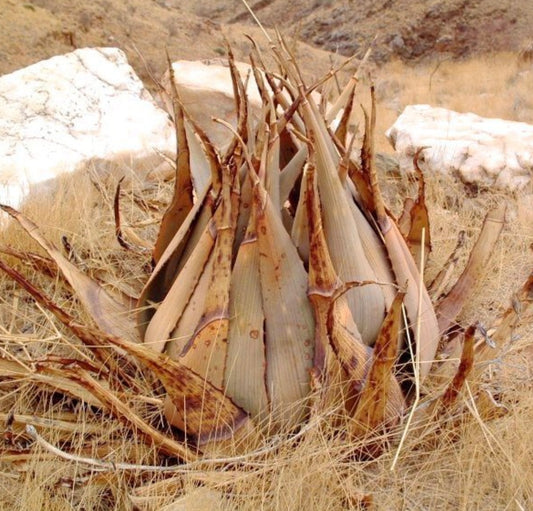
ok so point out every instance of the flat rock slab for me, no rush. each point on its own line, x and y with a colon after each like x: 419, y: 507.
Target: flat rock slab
x: 60, y: 113
x: 488, y: 153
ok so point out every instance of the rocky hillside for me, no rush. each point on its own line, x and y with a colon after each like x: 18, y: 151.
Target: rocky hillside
x: 189, y: 29
x: 411, y: 30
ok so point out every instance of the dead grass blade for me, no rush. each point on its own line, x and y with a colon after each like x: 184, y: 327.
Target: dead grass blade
x: 119, y: 234
x: 110, y: 315
x: 450, y: 306
x: 37, y: 262
x: 518, y: 313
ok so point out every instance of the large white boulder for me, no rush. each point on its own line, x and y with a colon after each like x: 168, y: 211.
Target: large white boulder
x: 489, y: 153
x: 60, y: 113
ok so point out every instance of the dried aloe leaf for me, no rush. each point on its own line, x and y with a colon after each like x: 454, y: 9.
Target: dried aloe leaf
x: 205, y: 353
x: 289, y: 320
x: 453, y: 302
x: 422, y: 320
x: 419, y: 221
x: 171, y: 308
x: 182, y: 200
x: 381, y: 401
x: 288, y: 316
x: 465, y: 367
x: 336, y: 355
x: 367, y: 303
x: 125, y: 414
x: 110, y: 315
x: 245, y: 378
x: 164, y: 273
x: 437, y: 286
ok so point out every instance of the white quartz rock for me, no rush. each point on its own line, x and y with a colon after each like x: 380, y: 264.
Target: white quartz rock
x: 58, y: 114
x: 489, y: 153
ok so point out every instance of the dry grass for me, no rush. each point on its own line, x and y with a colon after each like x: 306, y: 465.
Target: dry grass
x: 472, y: 464
x: 497, y: 85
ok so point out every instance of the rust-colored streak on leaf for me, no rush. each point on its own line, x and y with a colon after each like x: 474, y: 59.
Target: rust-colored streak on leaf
x: 465, y: 367
x: 206, y: 351
x: 450, y: 306
x: 381, y: 401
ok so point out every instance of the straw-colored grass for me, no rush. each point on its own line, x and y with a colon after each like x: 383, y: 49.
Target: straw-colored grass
x: 475, y: 464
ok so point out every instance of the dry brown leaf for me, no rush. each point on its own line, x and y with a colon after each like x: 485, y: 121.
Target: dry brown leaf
x: 110, y: 315
x: 381, y: 402
x: 182, y: 200
x: 450, y: 306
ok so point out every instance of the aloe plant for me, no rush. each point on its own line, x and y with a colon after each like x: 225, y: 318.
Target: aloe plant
x: 282, y: 285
